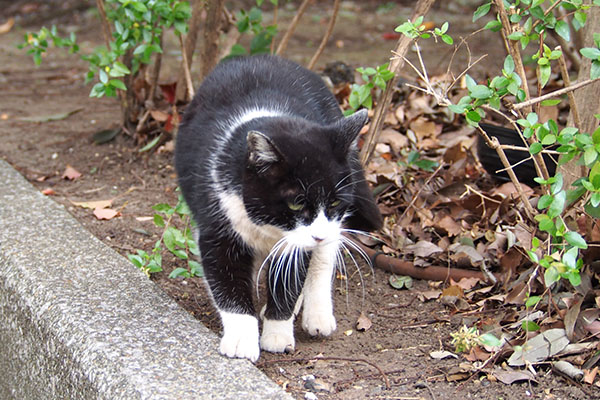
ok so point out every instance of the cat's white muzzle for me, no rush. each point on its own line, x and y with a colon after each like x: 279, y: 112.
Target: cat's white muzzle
x: 320, y: 232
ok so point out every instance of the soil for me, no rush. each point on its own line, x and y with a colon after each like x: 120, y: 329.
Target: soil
x: 391, y: 360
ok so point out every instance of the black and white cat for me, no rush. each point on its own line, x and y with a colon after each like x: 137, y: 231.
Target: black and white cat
x: 269, y: 168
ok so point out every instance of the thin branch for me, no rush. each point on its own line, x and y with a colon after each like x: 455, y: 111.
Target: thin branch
x: 275, y: 12
x: 494, y: 144
x: 396, y: 64
x: 292, y: 27
x: 512, y: 47
x: 189, y: 49
x: 556, y: 93
x: 567, y: 81
x: 106, y: 31
x: 186, y: 70
x: 321, y: 358
x: 416, y: 195
x: 155, y: 72
x: 315, y: 57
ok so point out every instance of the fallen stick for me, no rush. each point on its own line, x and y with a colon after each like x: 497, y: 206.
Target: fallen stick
x: 432, y: 273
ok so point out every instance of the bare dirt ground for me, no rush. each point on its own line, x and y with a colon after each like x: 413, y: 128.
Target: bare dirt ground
x: 391, y: 360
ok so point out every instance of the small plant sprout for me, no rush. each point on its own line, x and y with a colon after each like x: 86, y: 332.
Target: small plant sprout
x: 179, y: 242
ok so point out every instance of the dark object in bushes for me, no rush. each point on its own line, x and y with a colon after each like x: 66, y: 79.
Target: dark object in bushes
x: 490, y: 160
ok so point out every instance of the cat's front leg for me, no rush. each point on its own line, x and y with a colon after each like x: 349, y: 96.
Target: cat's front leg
x: 229, y: 274
x: 240, y: 336
x: 283, y: 304
x: 317, y: 314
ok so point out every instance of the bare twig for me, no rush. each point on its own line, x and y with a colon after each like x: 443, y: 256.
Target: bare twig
x: 188, y: 50
x: 396, y: 64
x: 292, y: 27
x: 106, y: 31
x: 556, y: 93
x: 416, y: 196
x: 512, y: 47
x: 315, y: 57
x: 275, y: 12
x: 494, y: 144
x: 321, y: 358
x: 155, y: 73
x: 232, y: 36
x: 567, y: 81
x: 186, y: 70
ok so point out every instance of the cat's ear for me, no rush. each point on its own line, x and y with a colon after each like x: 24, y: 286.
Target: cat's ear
x: 261, y: 150
x: 349, y: 129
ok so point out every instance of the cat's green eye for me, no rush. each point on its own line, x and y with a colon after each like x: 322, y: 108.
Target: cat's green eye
x: 335, y: 203
x: 295, y: 206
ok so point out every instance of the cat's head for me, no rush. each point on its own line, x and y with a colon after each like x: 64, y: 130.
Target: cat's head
x: 300, y: 177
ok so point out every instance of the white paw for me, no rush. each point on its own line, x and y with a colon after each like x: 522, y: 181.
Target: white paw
x: 316, y: 323
x: 278, y: 336
x: 240, y: 336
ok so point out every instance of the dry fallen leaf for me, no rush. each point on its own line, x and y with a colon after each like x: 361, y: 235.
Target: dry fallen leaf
x: 71, y: 173
x: 363, y: 323
x: 589, y: 375
x: 7, y: 26
x: 467, y: 283
x: 93, y: 204
x: 540, y: 348
x: 159, y: 116
x: 508, y: 377
x: 441, y: 354
x: 106, y: 213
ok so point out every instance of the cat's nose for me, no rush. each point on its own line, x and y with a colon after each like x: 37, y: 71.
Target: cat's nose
x: 317, y: 238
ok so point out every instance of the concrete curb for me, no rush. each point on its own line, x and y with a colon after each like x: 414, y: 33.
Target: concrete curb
x: 78, y: 321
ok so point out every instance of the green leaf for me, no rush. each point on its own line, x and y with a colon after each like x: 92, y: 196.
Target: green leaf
x: 563, y: 30
x: 548, y: 140
x: 159, y: 221
x: 551, y: 276
x: 590, y: 155
x: 401, y: 282
x: 169, y: 238
x: 179, y: 272
x: 481, y: 11
x: 480, y: 92
x: 136, y: 260
x: 575, y: 239
x: 532, y: 301
x: 594, y: 176
x: 180, y: 254
x: 509, y: 65
x: 488, y: 339
x: 590, y: 52
x: 195, y: 268
x: 545, y: 223
x: 473, y: 116
x: 530, y: 326
x: 595, y: 70
x: 558, y: 204
x: 493, y: 26
x: 117, y: 84
x: 535, y: 148
x: 545, y: 71
x: 151, y: 144
x: 544, y: 201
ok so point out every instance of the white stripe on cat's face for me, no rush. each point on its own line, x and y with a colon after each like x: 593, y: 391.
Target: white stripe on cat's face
x: 320, y: 231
